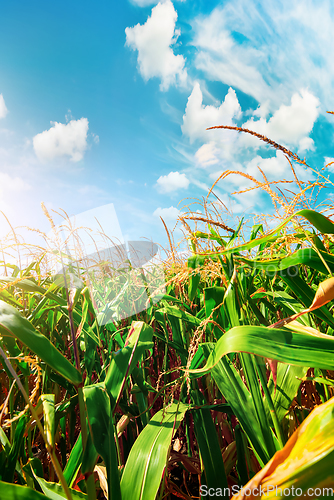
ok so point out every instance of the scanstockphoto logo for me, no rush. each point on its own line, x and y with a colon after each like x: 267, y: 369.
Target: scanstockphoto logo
x: 123, y: 277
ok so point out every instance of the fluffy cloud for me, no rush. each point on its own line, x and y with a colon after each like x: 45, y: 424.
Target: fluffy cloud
x: 289, y: 125
x: 206, y: 155
x: 198, y: 117
x: 268, y: 50
x: 276, y: 167
x: 62, y: 140
x: 168, y: 214
x: 153, y: 41
x: 172, y: 182
x: 3, y: 109
x: 329, y: 163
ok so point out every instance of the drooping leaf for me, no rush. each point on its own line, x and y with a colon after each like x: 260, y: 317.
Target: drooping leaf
x: 12, y: 323
x: 294, y: 347
x: 325, y: 294
x: 54, y: 491
x: 29, y: 286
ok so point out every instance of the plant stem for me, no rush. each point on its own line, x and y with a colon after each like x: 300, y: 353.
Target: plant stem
x: 50, y: 450
x: 90, y: 483
x: 271, y: 406
x: 72, y: 327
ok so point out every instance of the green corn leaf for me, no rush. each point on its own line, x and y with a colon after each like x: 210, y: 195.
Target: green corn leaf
x: 251, y: 368
x: 147, y: 459
x: 319, y: 221
x: 54, y: 491
x: 213, y: 296
x: 207, y: 439
x: 241, y: 452
x: 320, y: 380
x: 287, y: 346
x: 7, y: 471
x: 74, y: 462
x: 240, y: 399
x: 306, y: 295
x: 194, y: 278
x: 123, y: 361
x: 12, y: 323
x: 287, y: 384
x: 11, y: 491
x: 230, y: 301
x: 29, y: 286
x: 305, y: 256
x: 48, y: 401
x: 90, y: 456
x: 5, y: 443
x: 102, y: 430
x: 178, y: 313
x: 289, y: 304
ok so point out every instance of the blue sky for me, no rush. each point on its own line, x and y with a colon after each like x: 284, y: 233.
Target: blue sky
x: 108, y: 102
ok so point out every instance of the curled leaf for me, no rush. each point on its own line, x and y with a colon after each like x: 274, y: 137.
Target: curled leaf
x: 325, y: 294
x: 102, y: 473
x: 305, y: 462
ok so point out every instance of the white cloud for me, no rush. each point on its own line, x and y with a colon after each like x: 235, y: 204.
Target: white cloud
x: 172, y: 182
x: 269, y: 50
x: 153, y: 41
x: 62, y: 140
x: 306, y: 144
x: 12, y: 184
x: 328, y: 161
x: 168, y: 214
x: 198, y: 117
x: 206, y: 154
x: 3, y: 109
x: 222, y: 59
x: 276, y: 167
x: 96, y: 138
x: 262, y: 110
x: 289, y: 125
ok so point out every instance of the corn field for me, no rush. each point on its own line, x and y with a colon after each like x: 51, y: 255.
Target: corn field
x: 224, y: 387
